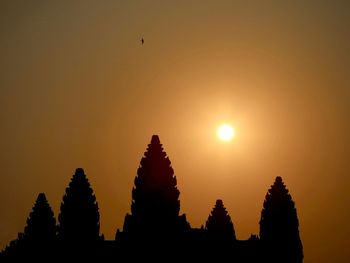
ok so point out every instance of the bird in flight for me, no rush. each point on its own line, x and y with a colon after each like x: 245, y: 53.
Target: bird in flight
x: 142, y: 41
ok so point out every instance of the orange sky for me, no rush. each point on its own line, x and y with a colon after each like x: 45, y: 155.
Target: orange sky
x: 77, y: 89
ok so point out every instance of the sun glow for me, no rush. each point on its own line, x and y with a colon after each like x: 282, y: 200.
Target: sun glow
x: 225, y: 132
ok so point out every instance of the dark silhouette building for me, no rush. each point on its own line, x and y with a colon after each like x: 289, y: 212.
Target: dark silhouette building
x: 39, y: 238
x: 155, y: 200
x: 279, y: 225
x: 219, y: 226
x: 41, y: 223
x: 155, y: 206
x: 154, y: 231
x: 79, y: 219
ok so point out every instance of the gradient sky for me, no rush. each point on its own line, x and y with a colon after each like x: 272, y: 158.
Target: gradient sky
x: 77, y: 89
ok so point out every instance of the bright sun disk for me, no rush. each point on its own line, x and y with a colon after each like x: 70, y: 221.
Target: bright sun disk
x: 225, y: 132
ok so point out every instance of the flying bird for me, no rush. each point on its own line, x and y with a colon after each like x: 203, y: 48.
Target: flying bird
x: 142, y: 41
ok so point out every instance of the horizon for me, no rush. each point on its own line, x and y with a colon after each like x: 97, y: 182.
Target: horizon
x: 155, y: 221
x: 217, y: 199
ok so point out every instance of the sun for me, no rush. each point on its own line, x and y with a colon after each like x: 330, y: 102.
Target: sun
x: 225, y: 132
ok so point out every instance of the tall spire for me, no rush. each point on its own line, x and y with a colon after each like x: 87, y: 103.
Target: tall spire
x: 155, y: 198
x: 219, y: 225
x: 155, y: 139
x: 79, y: 217
x: 155, y: 190
x: 279, y: 225
x: 41, y: 223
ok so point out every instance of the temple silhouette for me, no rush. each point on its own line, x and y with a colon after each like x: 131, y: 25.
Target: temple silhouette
x: 154, y: 230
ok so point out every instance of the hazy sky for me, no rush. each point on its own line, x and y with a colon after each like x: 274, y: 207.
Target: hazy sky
x: 77, y: 89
